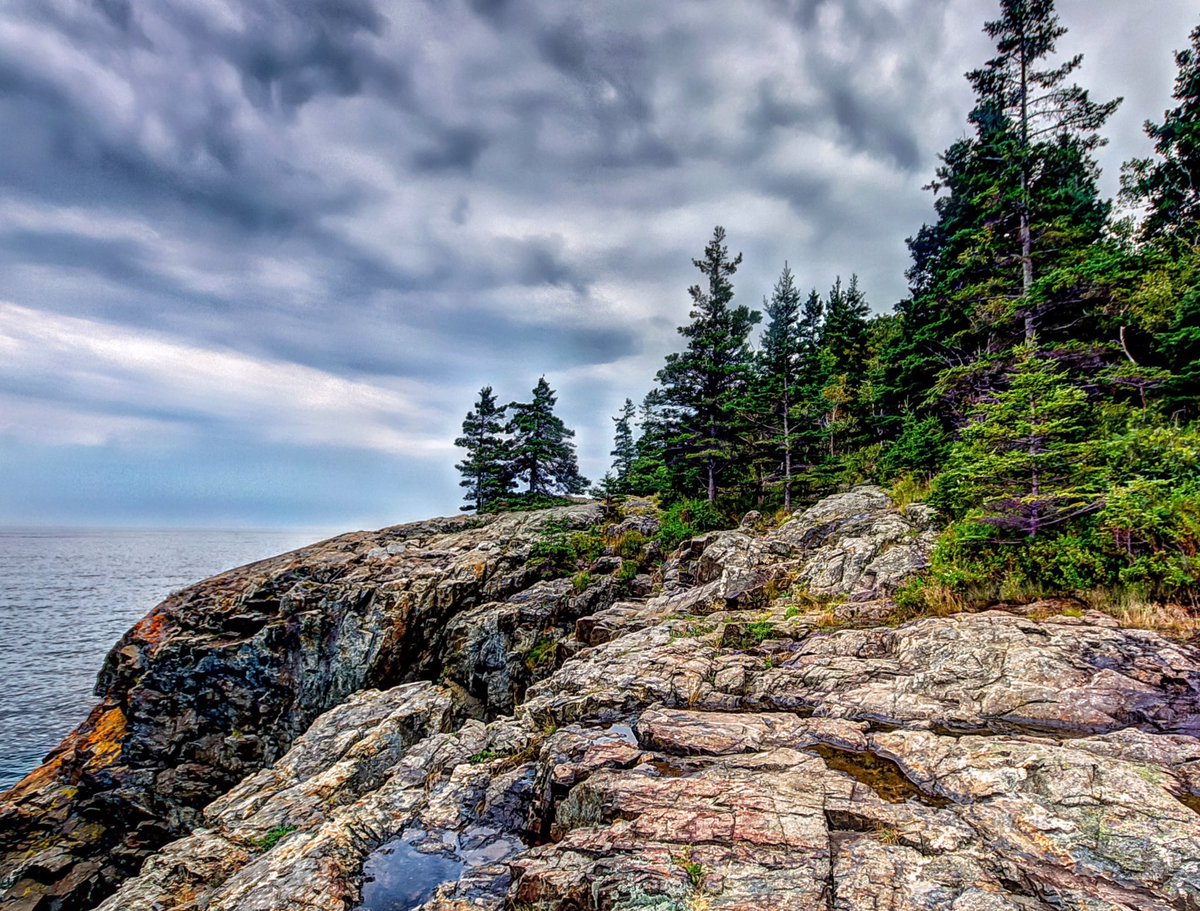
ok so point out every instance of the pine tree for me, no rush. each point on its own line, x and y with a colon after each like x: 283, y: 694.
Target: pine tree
x: 1026, y: 462
x: 843, y: 363
x: 1170, y: 185
x: 624, y: 451
x: 779, y: 365
x: 1044, y: 118
x: 485, y: 469
x: 543, y: 455
x: 706, y: 384
x: 649, y: 473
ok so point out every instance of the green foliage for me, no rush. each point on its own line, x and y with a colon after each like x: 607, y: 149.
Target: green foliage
x: 909, y: 488
x: 542, y: 453
x: 695, y: 871
x: 559, y: 552
x: 1170, y: 183
x: 1025, y: 463
x: 272, y: 838
x: 526, y: 502
x: 581, y: 581
x: 686, y: 519
x: 630, y: 545
x: 541, y: 656
x: 753, y: 634
x: 707, y: 385
x: 482, y: 756
x: 485, y: 470
x: 627, y: 572
x: 624, y: 451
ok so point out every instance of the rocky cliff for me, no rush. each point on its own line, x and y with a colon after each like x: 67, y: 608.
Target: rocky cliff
x: 531, y: 712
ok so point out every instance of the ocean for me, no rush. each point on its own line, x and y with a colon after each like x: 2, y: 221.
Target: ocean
x: 67, y: 595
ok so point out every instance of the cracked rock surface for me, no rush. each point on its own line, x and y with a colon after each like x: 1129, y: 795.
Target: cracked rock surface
x: 712, y: 747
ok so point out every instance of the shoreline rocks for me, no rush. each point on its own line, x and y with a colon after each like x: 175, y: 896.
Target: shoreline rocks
x: 713, y: 745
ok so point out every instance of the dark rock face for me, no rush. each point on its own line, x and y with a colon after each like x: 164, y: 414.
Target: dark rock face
x: 711, y: 746
x: 219, y: 679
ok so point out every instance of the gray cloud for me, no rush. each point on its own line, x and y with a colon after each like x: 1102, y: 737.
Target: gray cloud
x: 449, y: 193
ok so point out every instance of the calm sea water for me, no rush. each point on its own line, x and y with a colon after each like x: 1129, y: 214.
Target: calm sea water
x: 66, y: 595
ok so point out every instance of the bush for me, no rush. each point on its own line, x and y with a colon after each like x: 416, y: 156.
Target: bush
x: 685, y: 520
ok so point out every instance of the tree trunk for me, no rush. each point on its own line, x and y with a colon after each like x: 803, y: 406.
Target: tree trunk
x: 1026, y: 233
x: 1027, y: 271
x: 787, y: 464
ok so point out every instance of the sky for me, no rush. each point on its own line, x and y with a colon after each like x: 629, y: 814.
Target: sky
x: 258, y: 257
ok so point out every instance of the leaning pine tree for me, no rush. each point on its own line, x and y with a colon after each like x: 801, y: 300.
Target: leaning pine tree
x: 485, y: 469
x: 543, y: 455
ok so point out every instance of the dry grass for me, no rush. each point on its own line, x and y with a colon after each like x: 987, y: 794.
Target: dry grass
x: 1131, y: 610
x: 908, y: 489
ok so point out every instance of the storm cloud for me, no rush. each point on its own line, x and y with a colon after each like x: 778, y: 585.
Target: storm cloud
x: 279, y: 246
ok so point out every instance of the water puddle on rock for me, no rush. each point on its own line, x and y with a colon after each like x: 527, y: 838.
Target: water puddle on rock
x: 1189, y: 800
x: 404, y: 873
x: 881, y: 775
x: 618, y: 733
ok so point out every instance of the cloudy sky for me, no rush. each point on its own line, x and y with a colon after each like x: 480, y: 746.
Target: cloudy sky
x: 258, y: 256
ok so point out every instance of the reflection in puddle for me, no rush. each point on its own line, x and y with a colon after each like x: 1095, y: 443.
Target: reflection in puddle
x: 405, y: 872
x: 618, y: 733
x: 1189, y: 800
x: 881, y: 775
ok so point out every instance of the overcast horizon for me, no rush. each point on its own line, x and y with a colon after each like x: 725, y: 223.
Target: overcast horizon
x: 259, y: 263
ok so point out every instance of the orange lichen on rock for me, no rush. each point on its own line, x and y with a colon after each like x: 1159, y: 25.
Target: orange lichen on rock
x: 151, y: 629
x: 102, y: 745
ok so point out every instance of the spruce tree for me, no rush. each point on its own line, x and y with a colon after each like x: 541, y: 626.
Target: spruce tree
x: 1044, y: 119
x: 843, y: 363
x: 1018, y: 212
x: 706, y: 384
x: 543, y: 455
x: 624, y: 451
x: 1169, y: 188
x: 649, y: 473
x: 779, y: 365
x: 485, y: 470
x: 1170, y: 184
x: 1026, y: 463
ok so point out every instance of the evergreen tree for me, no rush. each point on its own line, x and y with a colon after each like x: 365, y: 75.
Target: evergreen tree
x: 843, y: 363
x: 1170, y: 185
x: 649, y: 473
x: 779, y: 365
x: 1025, y: 463
x: 812, y: 375
x: 624, y: 451
x: 485, y: 470
x: 706, y: 384
x: 844, y: 333
x: 543, y: 455
x: 1018, y: 213
x: 1045, y: 120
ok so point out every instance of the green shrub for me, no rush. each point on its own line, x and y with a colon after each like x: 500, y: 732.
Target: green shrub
x: 629, y: 545
x: 541, y: 656
x: 685, y: 520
